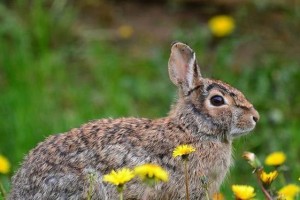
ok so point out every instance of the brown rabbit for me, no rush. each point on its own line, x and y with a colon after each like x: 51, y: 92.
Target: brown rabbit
x: 208, y: 114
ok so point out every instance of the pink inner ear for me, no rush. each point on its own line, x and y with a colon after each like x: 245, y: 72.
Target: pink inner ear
x: 181, y: 66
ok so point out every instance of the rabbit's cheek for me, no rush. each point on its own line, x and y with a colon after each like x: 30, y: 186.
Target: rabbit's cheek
x: 221, y: 115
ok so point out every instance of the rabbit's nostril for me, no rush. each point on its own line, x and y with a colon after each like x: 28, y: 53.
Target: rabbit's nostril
x: 255, y: 119
x: 255, y: 115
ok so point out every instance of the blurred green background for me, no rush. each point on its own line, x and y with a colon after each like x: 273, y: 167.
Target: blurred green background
x: 63, y: 63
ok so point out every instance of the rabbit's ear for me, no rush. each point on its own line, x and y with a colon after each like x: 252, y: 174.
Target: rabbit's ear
x: 184, y: 71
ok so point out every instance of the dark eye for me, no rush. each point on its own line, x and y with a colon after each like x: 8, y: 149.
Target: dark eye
x: 217, y: 100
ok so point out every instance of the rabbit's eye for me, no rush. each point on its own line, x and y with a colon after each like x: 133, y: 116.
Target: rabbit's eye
x: 217, y: 100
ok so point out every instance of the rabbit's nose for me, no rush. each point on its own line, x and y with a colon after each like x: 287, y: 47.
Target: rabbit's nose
x: 255, y: 115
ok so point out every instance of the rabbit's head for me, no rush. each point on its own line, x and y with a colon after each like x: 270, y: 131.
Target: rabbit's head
x: 208, y: 107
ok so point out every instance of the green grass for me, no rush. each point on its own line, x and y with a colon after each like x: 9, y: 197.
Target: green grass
x: 52, y: 80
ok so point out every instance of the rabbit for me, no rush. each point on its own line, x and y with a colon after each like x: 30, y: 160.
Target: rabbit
x: 208, y: 114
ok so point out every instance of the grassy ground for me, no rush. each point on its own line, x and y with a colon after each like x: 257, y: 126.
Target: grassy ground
x: 55, y: 74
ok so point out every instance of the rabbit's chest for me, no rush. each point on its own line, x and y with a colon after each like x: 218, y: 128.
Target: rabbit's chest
x: 211, y: 165
x: 212, y: 168
x: 218, y: 170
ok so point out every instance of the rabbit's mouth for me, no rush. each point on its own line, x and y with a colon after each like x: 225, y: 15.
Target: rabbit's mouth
x: 238, y: 132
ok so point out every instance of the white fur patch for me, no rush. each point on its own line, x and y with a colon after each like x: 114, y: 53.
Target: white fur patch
x: 190, y: 71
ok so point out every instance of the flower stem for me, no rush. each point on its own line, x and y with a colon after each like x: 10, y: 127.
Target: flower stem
x: 2, y: 191
x: 91, y: 178
x: 120, y: 189
x: 121, y: 195
x: 263, y: 189
x: 186, y: 180
x: 207, y: 196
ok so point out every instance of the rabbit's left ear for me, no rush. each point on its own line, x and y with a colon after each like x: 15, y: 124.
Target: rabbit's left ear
x: 184, y: 71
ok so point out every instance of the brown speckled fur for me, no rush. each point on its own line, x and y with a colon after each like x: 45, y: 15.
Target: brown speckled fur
x: 58, y: 168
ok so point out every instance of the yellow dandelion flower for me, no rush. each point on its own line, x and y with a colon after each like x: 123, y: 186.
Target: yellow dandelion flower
x: 243, y: 192
x: 183, y: 150
x: 119, y: 177
x: 221, y: 25
x: 268, y: 178
x: 4, y: 165
x: 125, y: 31
x: 289, y: 191
x: 218, y: 196
x: 275, y: 158
x: 151, y: 171
x: 281, y: 197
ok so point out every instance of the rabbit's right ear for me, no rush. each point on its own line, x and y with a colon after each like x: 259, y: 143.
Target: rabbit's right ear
x: 184, y: 71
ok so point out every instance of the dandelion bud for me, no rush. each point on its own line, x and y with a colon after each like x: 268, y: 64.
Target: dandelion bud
x: 252, y: 159
x: 249, y: 156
